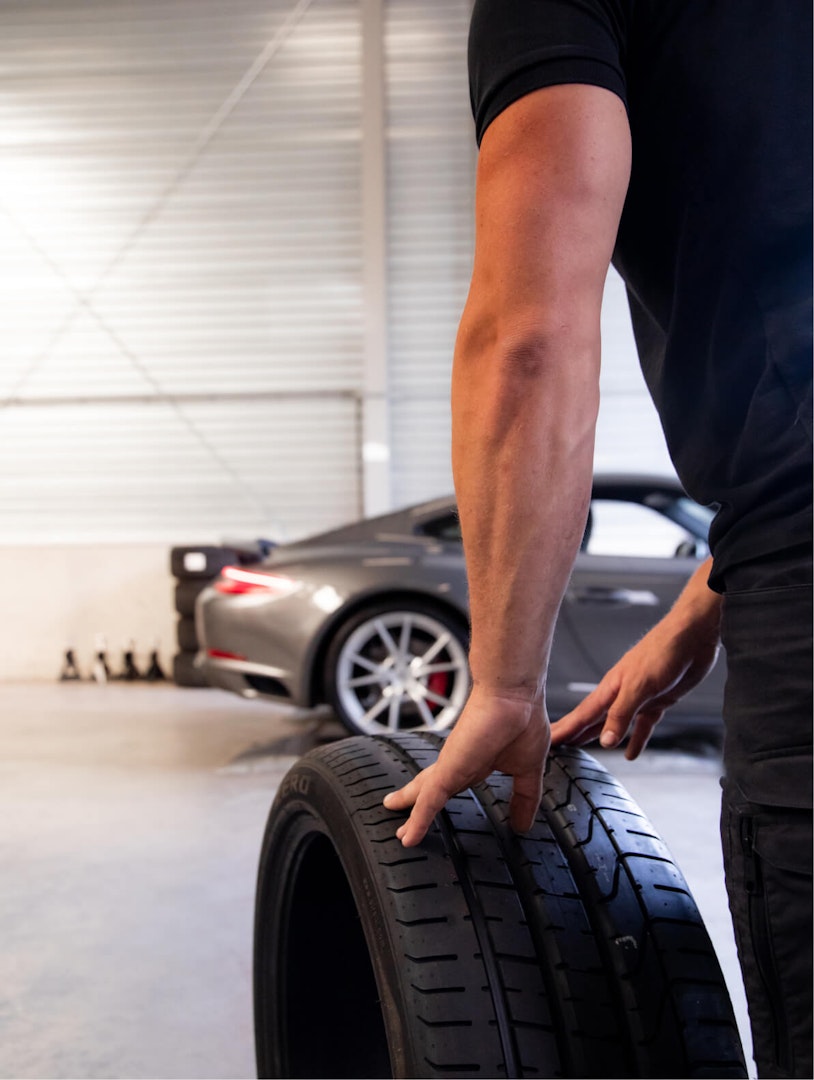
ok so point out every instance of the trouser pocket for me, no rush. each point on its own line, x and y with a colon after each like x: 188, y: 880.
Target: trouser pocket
x: 768, y: 868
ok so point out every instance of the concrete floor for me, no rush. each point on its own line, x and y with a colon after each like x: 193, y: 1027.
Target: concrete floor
x: 131, y: 822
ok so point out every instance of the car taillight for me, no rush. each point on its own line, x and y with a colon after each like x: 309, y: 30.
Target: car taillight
x: 234, y: 579
x: 222, y: 654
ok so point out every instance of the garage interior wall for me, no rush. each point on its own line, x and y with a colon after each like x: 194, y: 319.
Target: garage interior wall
x: 235, y: 241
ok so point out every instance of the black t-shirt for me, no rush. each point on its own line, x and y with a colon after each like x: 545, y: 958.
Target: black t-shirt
x: 714, y: 244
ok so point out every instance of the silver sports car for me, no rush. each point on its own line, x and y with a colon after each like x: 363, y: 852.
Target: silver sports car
x: 372, y: 618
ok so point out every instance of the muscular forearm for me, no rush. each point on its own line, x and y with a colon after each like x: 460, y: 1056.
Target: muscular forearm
x: 552, y: 174
x: 697, y: 611
x: 524, y: 412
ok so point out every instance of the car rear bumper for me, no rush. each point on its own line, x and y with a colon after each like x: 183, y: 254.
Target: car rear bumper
x: 247, y: 679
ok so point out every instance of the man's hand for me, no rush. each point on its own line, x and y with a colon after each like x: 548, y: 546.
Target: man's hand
x: 493, y: 732
x: 637, y: 691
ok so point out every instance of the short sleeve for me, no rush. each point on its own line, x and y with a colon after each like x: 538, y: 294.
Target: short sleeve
x: 518, y: 46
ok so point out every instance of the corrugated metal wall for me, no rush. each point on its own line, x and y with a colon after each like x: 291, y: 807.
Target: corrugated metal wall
x: 431, y: 155
x: 182, y: 266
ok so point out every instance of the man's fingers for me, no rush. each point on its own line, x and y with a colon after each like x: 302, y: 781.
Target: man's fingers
x: 426, y: 795
x: 623, y: 713
x: 615, y: 728
x: 525, y: 801
x: 431, y: 799
x: 405, y: 797
x: 570, y: 730
x: 642, y: 730
x: 588, y: 715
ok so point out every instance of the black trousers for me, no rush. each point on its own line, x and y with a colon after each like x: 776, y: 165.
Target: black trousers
x: 766, y: 822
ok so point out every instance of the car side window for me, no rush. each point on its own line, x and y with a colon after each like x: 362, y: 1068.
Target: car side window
x: 446, y: 528
x: 629, y: 528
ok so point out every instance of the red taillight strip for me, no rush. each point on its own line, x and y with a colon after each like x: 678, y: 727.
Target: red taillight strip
x: 221, y: 654
x: 234, y: 579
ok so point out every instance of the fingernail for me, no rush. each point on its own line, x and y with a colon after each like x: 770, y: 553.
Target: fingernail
x: 607, y: 739
x: 387, y: 798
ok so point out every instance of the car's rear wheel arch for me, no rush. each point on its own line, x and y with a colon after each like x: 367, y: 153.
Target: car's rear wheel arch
x: 317, y: 690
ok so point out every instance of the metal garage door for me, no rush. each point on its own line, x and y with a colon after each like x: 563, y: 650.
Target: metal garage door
x: 189, y: 258
x: 181, y: 267
x: 431, y: 157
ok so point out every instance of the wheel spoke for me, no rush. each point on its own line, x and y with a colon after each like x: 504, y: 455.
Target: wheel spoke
x: 379, y: 707
x: 423, y: 708
x: 437, y: 699
x: 404, y: 636
x: 394, y: 714
x: 434, y: 669
x: 363, y: 662
x: 377, y: 678
x: 387, y: 638
x: 436, y: 647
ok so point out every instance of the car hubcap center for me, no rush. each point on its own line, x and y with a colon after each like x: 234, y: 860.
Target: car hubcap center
x: 402, y: 680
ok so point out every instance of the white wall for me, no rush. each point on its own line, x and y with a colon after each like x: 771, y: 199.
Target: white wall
x: 628, y: 436
x: 60, y: 597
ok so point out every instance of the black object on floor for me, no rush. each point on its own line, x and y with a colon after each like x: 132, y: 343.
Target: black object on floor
x: 154, y: 673
x: 70, y: 671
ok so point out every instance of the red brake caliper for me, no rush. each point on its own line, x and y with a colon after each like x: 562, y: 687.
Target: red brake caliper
x: 437, y: 684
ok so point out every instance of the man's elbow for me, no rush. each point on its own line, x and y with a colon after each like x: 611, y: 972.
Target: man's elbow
x: 531, y: 352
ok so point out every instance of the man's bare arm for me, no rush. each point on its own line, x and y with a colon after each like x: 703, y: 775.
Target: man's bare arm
x: 552, y: 177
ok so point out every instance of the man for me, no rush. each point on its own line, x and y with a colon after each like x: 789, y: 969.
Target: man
x: 674, y: 137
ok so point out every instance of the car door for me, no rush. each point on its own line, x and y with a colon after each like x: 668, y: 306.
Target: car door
x: 628, y: 576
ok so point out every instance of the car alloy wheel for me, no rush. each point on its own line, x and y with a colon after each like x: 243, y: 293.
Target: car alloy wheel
x: 397, y: 669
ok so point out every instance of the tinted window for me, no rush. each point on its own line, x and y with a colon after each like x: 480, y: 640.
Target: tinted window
x: 447, y: 527
x: 629, y: 528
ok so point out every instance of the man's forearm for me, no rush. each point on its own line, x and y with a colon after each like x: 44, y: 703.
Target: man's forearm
x: 697, y: 611
x: 552, y: 176
x: 524, y: 415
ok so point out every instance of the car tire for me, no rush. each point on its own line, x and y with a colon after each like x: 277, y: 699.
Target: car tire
x: 573, y: 950
x: 404, y: 693
x: 186, y: 593
x: 184, y: 672
x: 186, y: 634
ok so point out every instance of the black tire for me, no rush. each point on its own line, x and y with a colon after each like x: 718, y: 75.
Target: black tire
x: 200, y: 563
x: 412, y: 698
x: 655, y: 950
x: 186, y: 593
x: 184, y: 672
x: 575, y: 950
x: 186, y: 634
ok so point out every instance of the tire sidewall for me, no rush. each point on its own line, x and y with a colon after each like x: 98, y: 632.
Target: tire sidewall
x: 308, y: 804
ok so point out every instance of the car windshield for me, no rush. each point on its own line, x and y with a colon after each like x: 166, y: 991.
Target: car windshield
x: 691, y: 511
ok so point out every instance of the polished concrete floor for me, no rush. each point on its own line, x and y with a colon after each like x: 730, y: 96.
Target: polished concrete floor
x: 130, y: 822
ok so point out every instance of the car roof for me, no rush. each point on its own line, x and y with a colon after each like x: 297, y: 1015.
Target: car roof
x: 408, y: 520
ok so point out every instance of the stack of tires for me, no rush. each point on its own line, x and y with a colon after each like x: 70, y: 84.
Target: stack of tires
x: 194, y: 568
